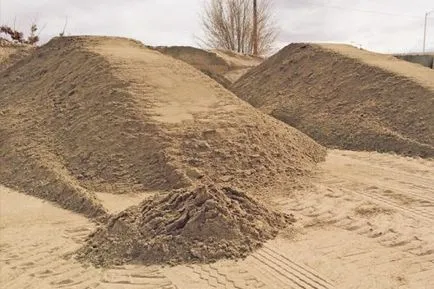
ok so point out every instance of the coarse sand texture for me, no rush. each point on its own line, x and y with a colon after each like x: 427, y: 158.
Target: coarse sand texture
x: 97, y: 114
x: 347, y: 98
x: 203, y: 225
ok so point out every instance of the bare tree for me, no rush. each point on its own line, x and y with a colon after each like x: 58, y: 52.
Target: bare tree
x: 18, y: 37
x: 228, y: 24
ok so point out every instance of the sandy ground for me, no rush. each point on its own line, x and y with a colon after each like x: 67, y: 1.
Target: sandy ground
x: 365, y: 223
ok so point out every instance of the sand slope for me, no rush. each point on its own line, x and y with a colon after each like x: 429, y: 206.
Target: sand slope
x: 11, y: 53
x: 94, y: 114
x: 347, y: 98
x: 223, y: 66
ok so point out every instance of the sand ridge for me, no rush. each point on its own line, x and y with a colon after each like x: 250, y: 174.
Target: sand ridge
x: 11, y: 53
x: 388, y: 62
x: 223, y: 66
x: 346, y: 98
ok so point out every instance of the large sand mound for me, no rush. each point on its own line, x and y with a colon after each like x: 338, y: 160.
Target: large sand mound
x: 94, y: 114
x: 223, y: 66
x: 203, y: 225
x: 347, y: 98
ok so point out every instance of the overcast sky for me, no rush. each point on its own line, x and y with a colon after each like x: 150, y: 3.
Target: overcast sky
x: 379, y: 25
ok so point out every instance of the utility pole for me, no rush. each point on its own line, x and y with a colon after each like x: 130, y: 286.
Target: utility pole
x: 424, y: 29
x: 255, y: 27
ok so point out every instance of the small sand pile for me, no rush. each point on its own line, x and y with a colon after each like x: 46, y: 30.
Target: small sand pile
x: 223, y: 66
x: 347, y: 98
x: 203, y: 225
x: 97, y: 114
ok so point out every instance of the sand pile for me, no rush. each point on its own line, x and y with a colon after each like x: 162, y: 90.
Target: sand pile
x: 95, y: 114
x: 203, y: 225
x: 223, y: 66
x: 347, y: 98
